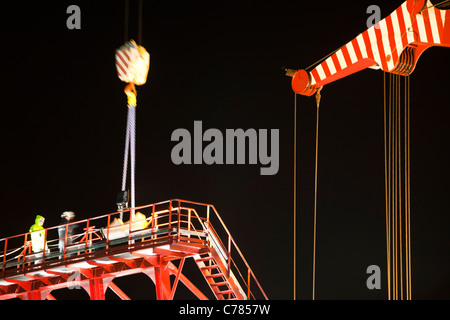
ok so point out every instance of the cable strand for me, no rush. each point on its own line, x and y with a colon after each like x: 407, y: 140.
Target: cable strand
x: 295, y: 195
x: 318, y: 96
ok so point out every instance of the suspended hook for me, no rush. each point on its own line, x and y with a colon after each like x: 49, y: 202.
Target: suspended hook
x: 131, y: 93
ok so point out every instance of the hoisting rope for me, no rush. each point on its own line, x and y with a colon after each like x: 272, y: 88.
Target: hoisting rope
x: 131, y: 93
x: 408, y: 200
x: 398, y: 217
x: 140, y: 22
x: 318, y: 96
x: 295, y: 195
x: 130, y: 137
x: 125, y: 20
x: 130, y: 144
x: 387, y: 188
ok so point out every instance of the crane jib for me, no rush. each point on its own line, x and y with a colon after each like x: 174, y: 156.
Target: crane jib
x: 394, y: 45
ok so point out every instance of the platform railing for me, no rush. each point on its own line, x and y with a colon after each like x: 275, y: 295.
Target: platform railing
x: 176, y: 219
x: 235, y: 259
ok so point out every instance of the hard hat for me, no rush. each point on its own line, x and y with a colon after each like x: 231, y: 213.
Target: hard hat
x: 69, y: 214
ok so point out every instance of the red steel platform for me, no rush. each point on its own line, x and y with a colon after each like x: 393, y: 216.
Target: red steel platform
x: 155, y: 240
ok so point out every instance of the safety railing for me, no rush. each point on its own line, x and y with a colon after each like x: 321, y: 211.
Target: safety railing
x: 151, y: 225
x: 236, y: 262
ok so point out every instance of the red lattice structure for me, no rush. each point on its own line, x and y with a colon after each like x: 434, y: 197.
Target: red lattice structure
x: 156, y: 240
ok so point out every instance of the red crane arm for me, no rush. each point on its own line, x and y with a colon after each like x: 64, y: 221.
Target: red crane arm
x: 393, y: 45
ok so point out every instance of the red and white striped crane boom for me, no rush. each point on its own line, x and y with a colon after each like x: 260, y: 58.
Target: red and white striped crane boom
x: 394, y: 45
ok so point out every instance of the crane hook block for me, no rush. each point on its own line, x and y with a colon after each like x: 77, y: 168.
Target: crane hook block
x: 131, y: 93
x: 393, y: 45
x: 132, y: 63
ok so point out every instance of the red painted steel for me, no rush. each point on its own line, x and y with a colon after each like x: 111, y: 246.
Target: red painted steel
x: 107, y: 248
x: 393, y: 45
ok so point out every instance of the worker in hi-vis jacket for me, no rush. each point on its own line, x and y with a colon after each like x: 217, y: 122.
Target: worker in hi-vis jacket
x: 38, y: 243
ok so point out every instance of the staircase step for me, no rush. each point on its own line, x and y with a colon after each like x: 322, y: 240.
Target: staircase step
x: 204, y: 259
x: 215, y: 275
x: 225, y: 292
x: 214, y: 266
x: 218, y: 284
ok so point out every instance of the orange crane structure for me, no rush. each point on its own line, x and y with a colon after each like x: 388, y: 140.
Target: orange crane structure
x: 394, y: 46
x: 157, y: 243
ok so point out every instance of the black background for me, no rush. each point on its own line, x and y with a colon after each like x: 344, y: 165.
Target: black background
x: 63, y: 130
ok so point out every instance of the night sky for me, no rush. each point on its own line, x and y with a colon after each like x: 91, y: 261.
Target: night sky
x: 64, y: 120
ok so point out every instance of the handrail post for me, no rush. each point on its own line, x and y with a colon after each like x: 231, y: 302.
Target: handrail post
x: 207, y: 213
x: 229, y: 255
x: 107, y: 232
x: 24, y: 251
x: 153, y: 220
x: 170, y: 218
x: 189, y: 221
x: 65, y: 243
x: 248, y: 282
x: 45, y: 245
x: 129, y: 229
x: 4, y: 257
x: 87, y: 236
x: 179, y: 221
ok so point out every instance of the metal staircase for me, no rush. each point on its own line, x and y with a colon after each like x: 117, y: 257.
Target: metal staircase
x: 224, y: 287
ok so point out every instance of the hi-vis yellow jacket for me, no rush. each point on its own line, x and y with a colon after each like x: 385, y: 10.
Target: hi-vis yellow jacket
x: 38, y: 235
